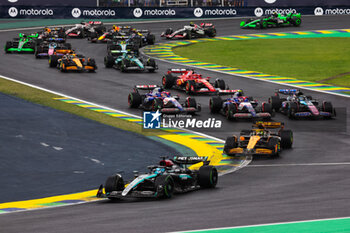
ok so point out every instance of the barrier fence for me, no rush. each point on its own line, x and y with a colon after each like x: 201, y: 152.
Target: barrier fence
x: 57, y: 12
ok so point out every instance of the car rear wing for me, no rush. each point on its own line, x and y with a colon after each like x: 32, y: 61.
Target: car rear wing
x: 95, y: 22
x: 175, y: 70
x: 206, y: 24
x: 190, y: 159
x: 287, y: 91
x: 268, y: 125
x: 145, y: 87
x: 142, y: 31
x: 230, y: 92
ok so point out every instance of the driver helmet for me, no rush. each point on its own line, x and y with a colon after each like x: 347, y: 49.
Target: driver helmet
x: 192, y: 24
x: 157, y: 90
x: 116, y: 28
x: 158, y: 170
x: 275, y: 14
x: 47, y: 30
x: 259, y: 132
x: 166, y: 163
x: 237, y: 94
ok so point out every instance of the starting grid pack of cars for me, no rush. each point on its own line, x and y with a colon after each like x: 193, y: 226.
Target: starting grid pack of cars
x: 173, y: 175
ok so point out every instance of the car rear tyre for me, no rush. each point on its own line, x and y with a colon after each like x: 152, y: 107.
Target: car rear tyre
x: 191, y: 102
x: 190, y: 87
x: 53, y: 61
x: 215, y: 104
x: 168, y: 81
x: 286, y: 139
x: 230, y: 143
x: 230, y: 111
x: 109, y: 61
x: 219, y: 83
x: 275, y: 102
x: 207, y: 177
x: 134, y: 100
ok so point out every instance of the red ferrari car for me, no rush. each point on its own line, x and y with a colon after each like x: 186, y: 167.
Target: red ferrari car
x: 193, y: 83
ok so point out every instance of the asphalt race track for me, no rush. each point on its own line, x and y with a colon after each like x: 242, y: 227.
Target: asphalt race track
x: 311, y: 181
x: 46, y: 152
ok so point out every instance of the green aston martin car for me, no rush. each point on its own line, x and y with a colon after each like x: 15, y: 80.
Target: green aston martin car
x: 23, y: 44
x: 274, y: 20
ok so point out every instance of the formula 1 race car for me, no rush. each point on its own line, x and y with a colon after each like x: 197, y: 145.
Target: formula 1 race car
x: 193, y: 83
x: 84, y: 29
x: 274, y: 20
x: 73, y: 62
x: 191, y: 31
x: 163, y: 180
x: 240, y: 107
x: 23, y: 44
x: 52, y: 34
x: 46, y: 49
x: 260, y: 140
x: 154, y: 98
x: 297, y: 105
x: 104, y: 36
x: 127, y: 59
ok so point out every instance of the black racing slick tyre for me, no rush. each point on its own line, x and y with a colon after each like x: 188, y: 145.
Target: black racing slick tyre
x: 151, y: 62
x: 286, y: 139
x: 168, y: 31
x: 191, y: 102
x: 207, y: 177
x: 53, y: 61
x: 151, y: 39
x: 114, y: 183
x: 190, y: 87
x: 292, y: 109
x: 164, y: 186
x: 230, y: 143
x: 266, y: 107
x: 134, y: 100
x: 7, y: 46
x: 188, y: 34
x: 157, y: 104
x: 219, y: 83
x: 263, y: 24
x: 215, y: 104
x: 274, y: 145
x: 230, y: 111
x: 295, y: 21
x: 275, y: 102
x: 211, y: 32
x: 327, y: 107
x: 109, y: 61
x: 168, y: 81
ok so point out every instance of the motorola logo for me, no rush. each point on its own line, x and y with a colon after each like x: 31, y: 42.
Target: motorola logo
x: 198, y: 12
x: 13, y: 12
x: 318, y: 11
x: 258, y: 12
x: 138, y: 12
x: 76, y: 12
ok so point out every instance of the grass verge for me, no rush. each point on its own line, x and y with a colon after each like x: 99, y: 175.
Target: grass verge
x: 311, y: 59
x: 46, y: 99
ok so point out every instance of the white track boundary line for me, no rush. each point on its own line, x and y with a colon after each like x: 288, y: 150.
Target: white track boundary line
x: 244, y: 76
x: 98, y: 105
x: 260, y: 225
x: 300, y: 164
